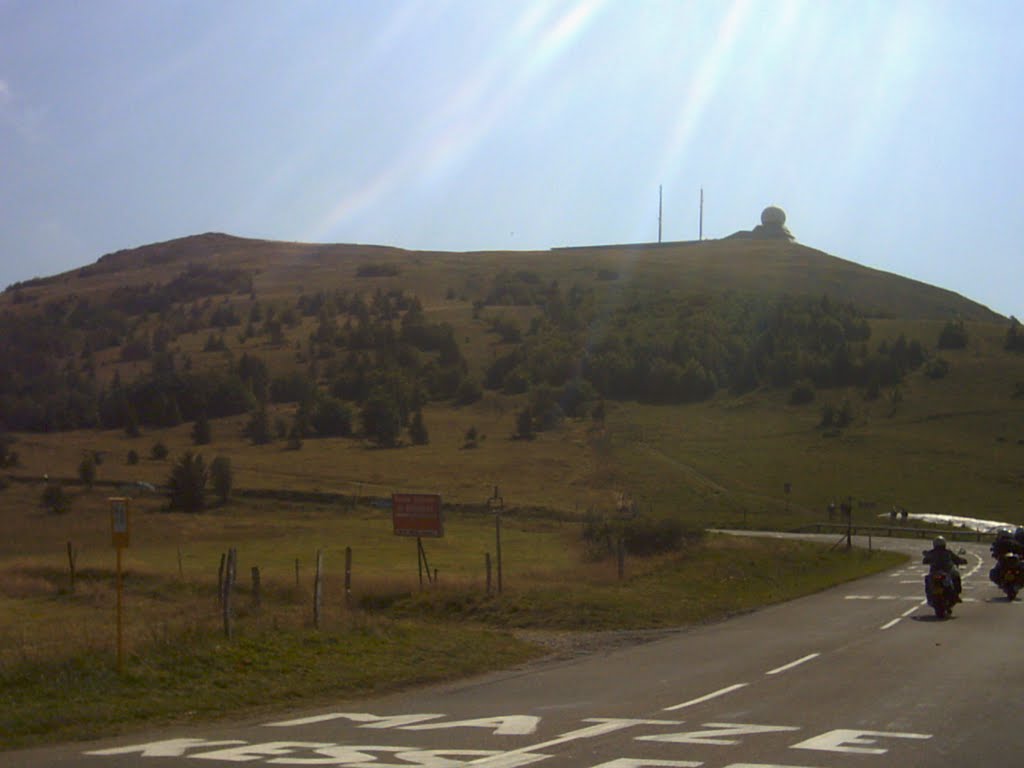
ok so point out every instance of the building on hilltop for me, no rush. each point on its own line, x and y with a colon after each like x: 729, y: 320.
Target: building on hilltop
x: 772, y: 227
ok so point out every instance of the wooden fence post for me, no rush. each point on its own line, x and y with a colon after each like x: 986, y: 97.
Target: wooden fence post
x: 497, y: 538
x: 72, y: 556
x: 487, y: 567
x: 348, y: 577
x: 296, y: 571
x: 228, y: 585
x: 317, y: 589
x: 220, y: 579
x: 419, y: 561
x: 257, y: 599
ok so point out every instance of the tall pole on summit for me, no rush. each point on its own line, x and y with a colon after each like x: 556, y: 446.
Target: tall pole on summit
x: 659, y: 213
x: 700, y: 228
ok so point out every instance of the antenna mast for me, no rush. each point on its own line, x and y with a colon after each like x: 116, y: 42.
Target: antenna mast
x: 659, y: 213
x: 700, y: 230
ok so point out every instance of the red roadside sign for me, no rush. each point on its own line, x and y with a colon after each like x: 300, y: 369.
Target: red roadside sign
x: 417, y: 514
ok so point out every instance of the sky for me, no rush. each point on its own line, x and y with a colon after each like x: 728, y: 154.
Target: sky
x: 889, y: 131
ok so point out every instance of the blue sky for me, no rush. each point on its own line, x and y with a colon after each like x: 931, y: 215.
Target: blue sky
x: 889, y: 131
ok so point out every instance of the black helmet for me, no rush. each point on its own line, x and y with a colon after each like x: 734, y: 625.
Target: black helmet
x: 939, y: 542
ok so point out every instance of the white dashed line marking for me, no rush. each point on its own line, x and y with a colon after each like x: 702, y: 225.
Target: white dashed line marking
x: 709, y: 696
x: 792, y: 664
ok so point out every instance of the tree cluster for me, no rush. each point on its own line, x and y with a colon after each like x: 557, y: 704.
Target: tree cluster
x: 371, y: 362
x: 953, y: 335
x: 674, y: 350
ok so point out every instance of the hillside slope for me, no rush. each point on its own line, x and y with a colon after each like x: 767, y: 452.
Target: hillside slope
x: 762, y: 267
x: 695, y: 378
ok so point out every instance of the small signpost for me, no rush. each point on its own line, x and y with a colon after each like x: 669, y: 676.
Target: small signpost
x: 120, y: 530
x: 419, y: 515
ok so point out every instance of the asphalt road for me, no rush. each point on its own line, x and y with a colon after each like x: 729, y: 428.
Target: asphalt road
x: 859, y: 675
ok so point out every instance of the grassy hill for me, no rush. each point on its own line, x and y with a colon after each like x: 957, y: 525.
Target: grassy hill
x: 949, y: 442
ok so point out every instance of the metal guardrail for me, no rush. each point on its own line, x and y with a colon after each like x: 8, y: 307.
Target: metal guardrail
x: 897, y: 531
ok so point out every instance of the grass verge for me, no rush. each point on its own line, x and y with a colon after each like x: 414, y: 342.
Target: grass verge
x: 193, y: 673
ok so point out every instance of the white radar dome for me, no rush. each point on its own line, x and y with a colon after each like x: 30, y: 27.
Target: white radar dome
x: 773, y: 216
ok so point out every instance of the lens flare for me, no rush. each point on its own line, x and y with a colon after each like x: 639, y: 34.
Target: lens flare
x: 536, y: 42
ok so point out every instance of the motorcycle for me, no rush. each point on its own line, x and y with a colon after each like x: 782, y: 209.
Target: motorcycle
x: 1008, y: 574
x: 940, y: 589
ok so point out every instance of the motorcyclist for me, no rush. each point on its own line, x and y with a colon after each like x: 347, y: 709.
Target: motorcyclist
x: 941, y: 558
x: 1004, y: 544
x: 1007, y: 541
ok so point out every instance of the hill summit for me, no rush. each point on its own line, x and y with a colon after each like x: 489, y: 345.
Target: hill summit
x: 765, y: 261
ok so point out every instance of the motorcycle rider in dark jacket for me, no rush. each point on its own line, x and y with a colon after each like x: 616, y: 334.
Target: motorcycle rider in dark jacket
x: 939, y: 557
x: 1005, y: 543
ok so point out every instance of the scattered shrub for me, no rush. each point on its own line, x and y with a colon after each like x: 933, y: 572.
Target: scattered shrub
x: 55, y: 499
x: 215, y: 343
x: 469, y: 392
x: 418, y: 430
x: 187, y: 483
x: 649, y: 536
x: 937, y: 368
x: 953, y: 335
x: 8, y: 458
x: 258, y: 428
x: 801, y: 394
x: 332, y: 417
x: 873, y: 391
x: 382, y: 420
x: 87, y: 470
x: 833, y: 418
x: 201, y: 433
x: 641, y: 536
x: 221, y: 475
